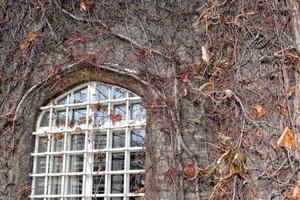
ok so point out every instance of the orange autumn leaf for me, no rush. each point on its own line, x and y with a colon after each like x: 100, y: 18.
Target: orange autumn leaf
x: 190, y: 172
x: 197, y: 70
x: 260, y: 111
x: 210, y: 86
x: 58, y: 136
x: 296, y: 192
x: 185, y: 77
x: 116, y: 118
x: 287, y: 139
x: 28, y: 39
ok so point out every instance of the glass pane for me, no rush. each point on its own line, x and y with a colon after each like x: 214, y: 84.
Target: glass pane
x: 42, y: 144
x: 138, y: 112
x: 137, y: 138
x: 74, y: 184
x: 131, y: 94
x: 79, y: 116
x: 136, y: 183
x: 102, y: 92
x: 117, y: 183
x: 137, y: 160
x: 45, y: 119
x: 116, y: 198
x: 98, y: 184
x: 60, y: 118
x: 58, y: 142
x: 100, y: 140
x: 57, y: 164
x: 101, y: 117
x: 55, y: 184
x: 118, y: 139
x: 119, y: 93
x: 39, y: 185
x: 77, y: 142
x: 99, y: 162
x: 62, y: 101
x: 98, y: 198
x: 80, y: 96
x: 76, y: 163
x: 41, y: 165
x: 121, y: 111
x: 117, y: 161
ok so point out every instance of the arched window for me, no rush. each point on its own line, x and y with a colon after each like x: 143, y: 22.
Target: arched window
x: 89, y: 145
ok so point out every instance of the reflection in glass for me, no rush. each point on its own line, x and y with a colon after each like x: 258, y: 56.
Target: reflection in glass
x: 117, y: 183
x: 138, y: 112
x: 62, y: 101
x: 119, y: 93
x: 137, y: 138
x: 101, y: 117
x: 118, y: 139
x: 136, y: 183
x: 42, y: 144
x: 58, y: 144
x: 117, y: 161
x: 120, y: 110
x: 41, y: 165
x: 79, y: 116
x: 39, y: 185
x: 137, y: 160
x: 80, y: 96
x: 55, y: 184
x: 59, y: 118
x: 100, y: 140
x: 74, y: 184
x: 99, y: 162
x: 102, y: 92
x: 56, y: 163
x: 77, y: 142
x: 76, y: 163
x: 45, y: 119
x: 98, y: 184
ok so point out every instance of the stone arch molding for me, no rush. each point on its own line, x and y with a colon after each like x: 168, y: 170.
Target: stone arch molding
x: 70, y: 76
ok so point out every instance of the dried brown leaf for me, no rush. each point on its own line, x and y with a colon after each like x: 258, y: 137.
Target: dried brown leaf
x: 58, y: 136
x: 296, y: 192
x: 82, y: 6
x: 185, y: 77
x: 287, y: 139
x: 210, y: 86
x: 116, y: 118
x: 260, y: 111
x: 283, y: 109
x: 197, y: 70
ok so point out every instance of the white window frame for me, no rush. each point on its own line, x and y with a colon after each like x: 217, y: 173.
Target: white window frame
x: 88, y: 151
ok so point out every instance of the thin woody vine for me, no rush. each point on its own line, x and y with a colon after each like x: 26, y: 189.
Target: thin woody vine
x: 245, y: 83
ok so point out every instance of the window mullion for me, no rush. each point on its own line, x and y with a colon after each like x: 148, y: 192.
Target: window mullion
x: 63, y: 170
x: 88, y: 161
x: 47, y: 154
